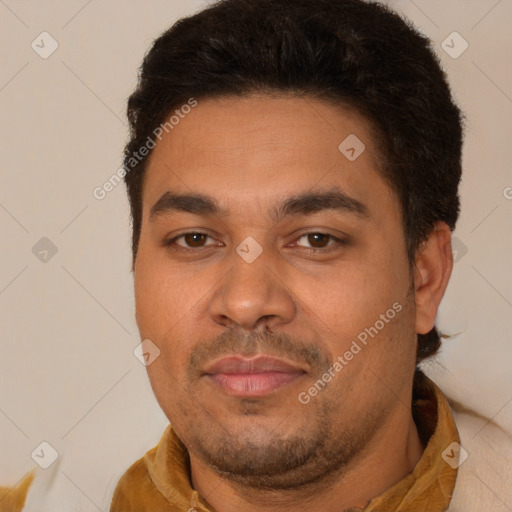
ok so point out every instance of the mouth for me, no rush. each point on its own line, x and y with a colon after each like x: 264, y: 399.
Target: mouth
x: 256, y: 377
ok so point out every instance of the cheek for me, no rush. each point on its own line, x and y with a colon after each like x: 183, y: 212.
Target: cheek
x: 351, y: 295
x: 167, y: 305
x: 161, y: 297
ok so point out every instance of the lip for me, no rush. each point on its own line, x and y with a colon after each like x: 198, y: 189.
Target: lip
x: 255, y: 377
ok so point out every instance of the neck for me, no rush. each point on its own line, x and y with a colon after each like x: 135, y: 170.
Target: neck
x: 389, y: 457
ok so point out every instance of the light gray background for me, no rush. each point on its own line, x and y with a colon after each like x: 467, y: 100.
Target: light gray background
x: 68, y: 373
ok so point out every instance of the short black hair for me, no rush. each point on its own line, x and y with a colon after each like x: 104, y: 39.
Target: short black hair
x: 350, y: 52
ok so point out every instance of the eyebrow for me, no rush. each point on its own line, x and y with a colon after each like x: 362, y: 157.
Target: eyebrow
x: 301, y: 204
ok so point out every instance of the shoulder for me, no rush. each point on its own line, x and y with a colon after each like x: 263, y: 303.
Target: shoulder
x: 484, y: 478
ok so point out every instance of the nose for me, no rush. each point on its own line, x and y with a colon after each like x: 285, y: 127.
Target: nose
x: 252, y: 296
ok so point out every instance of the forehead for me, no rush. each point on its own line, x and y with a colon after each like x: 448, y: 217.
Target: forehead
x: 257, y: 148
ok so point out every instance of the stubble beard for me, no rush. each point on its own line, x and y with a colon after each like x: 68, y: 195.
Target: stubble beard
x: 321, y: 446
x: 316, y: 457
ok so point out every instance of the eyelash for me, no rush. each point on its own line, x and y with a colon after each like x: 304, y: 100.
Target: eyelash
x: 312, y: 250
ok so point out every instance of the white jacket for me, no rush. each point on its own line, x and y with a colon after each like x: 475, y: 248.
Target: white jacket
x: 484, y: 479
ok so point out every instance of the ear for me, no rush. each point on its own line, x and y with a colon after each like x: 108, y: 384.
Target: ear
x: 432, y: 271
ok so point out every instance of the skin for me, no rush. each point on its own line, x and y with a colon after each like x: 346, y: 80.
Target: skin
x: 356, y: 437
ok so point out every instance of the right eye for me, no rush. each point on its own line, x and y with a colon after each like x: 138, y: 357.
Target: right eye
x: 193, y: 241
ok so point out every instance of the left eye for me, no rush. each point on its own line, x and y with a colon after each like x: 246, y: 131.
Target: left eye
x: 320, y: 241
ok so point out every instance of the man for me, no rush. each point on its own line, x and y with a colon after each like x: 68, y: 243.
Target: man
x: 293, y: 176
x: 291, y: 245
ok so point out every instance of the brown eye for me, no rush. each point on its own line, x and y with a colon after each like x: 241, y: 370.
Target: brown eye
x: 192, y: 240
x: 319, y: 242
x: 318, y: 238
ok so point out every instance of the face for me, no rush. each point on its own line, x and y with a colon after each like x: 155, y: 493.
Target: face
x: 280, y: 298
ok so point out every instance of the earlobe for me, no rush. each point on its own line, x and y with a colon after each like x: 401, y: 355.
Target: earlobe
x: 432, y: 271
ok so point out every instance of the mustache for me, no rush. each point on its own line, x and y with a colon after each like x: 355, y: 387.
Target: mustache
x: 280, y: 345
